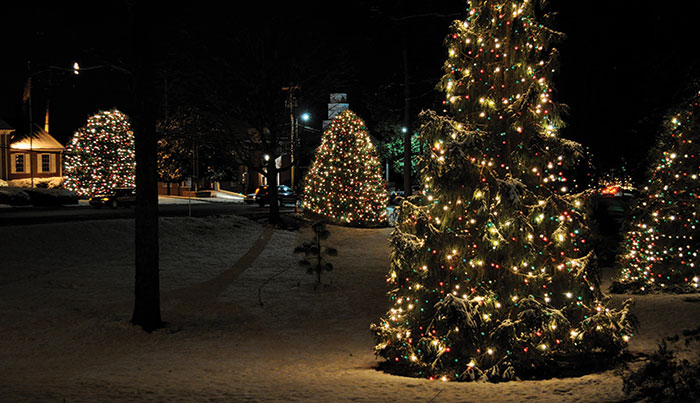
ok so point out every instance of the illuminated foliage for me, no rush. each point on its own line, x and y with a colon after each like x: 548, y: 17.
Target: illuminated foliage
x: 345, y: 183
x: 660, y: 247
x: 492, y: 274
x: 393, y: 150
x: 101, y: 156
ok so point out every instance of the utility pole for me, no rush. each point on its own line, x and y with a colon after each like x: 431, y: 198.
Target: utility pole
x: 291, y: 104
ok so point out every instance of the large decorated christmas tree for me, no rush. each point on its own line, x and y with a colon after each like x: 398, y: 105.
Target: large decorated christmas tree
x: 660, y: 247
x: 492, y: 273
x: 101, y: 156
x: 344, y: 184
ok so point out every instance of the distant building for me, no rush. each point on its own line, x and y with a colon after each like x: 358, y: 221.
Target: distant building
x: 23, y: 159
x: 243, y: 180
x: 5, y: 133
x: 338, y: 103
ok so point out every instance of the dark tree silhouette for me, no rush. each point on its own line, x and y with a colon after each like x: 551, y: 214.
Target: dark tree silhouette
x: 196, y: 142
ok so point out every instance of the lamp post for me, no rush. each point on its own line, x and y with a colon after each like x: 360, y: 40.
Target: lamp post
x: 27, y: 97
x: 305, y: 118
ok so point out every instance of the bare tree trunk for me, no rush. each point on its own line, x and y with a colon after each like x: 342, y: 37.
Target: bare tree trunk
x: 406, y: 123
x: 147, y: 283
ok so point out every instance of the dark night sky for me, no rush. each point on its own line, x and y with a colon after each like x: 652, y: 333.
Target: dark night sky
x: 623, y: 62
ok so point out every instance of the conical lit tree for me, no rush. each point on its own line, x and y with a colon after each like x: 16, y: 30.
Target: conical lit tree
x: 660, y: 247
x: 344, y: 184
x: 100, y: 156
x: 492, y: 273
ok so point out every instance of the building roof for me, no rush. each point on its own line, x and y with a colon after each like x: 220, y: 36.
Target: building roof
x: 5, y: 128
x: 40, y: 141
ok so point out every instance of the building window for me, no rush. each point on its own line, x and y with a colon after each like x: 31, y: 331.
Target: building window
x: 19, y: 163
x: 45, y: 163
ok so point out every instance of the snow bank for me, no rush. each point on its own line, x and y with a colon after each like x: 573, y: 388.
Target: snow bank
x: 50, y: 182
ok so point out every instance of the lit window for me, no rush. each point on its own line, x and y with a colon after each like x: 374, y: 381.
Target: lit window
x: 45, y: 163
x: 19, y: 163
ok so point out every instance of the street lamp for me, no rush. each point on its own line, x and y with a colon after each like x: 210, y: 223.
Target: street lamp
x: 296, y: 141
x: 27, y: 97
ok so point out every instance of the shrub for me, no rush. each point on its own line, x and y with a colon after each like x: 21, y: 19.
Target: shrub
x: 14, y: 197
x: 314, y: 252
x: 51, y: 197
x: 665, y: 377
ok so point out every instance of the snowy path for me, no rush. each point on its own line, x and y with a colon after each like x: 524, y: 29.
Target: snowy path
x: 200, y: 297
x: 66, y: 304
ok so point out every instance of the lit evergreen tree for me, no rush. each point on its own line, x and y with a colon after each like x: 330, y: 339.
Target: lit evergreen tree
x: 492, y: 273
x: 345, y: 184
x: 660, y: 247
x: 101, y: 156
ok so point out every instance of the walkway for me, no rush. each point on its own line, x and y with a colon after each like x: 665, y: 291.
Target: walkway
x: 203, y: 296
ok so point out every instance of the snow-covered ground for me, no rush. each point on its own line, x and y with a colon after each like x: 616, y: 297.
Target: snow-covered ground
x: 245, y: 323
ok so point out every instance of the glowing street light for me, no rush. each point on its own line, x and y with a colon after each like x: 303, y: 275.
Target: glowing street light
x: 305, y: 116
x: 76, y: 68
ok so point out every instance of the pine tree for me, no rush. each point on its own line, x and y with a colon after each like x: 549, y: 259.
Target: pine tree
x: 100, y: 156
x: 492, y: 273
x: 660, y: 247
x: 344, y: 184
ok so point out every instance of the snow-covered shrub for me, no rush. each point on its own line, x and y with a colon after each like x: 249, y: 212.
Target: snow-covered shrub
x: 51, y: 197
x: 14, y: 196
